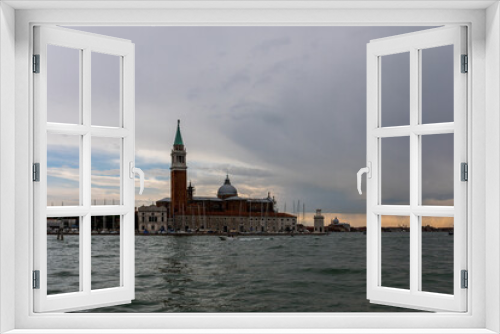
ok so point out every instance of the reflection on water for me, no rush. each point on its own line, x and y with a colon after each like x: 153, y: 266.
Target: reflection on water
x: 256, y: 274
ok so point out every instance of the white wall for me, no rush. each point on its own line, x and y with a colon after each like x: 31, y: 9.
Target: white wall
x: 492, y: 165
x: 221, y: 17
x: 7, y: 160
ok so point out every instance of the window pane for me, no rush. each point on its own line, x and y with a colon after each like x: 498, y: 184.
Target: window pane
x: 63, y: 170
x: 395, y: 89
x: 63, y: 84
x: 106, y: 154
x: 395, y: 251
x: 395, y: 171
x: 437, y: 84
x: 63, y: 255
x: 437, y: 254
x: 105, y: 90
x: 105, y: 252
x: 437, y: 169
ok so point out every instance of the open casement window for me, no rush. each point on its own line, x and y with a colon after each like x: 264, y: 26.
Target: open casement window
x: 404, y: 81
x: 89, y: 135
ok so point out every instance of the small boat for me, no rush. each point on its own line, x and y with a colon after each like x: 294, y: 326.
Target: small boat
x: 227, y: 238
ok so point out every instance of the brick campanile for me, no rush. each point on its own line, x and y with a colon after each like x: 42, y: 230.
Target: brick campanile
x: 178, y: 175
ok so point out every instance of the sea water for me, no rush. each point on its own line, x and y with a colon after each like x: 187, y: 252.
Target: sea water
x: 304, y: 273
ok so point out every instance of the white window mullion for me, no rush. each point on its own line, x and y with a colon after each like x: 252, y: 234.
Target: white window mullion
x: 108, y: 210
x: 128, y: 184
x: 392, y: 210
x: 85, y: 254
x: 67, y: 129
x: 109, y: 132
x: 434, y: 211
x: 414, y: 171
x: 421, y: 210
x: 422, y: 129
x: 85, y: 161
x: 40, y: 156
x: 85, y: 170
x: 378, y: 235
x: 95, y: 210
x: 80, y: 130
x: 460, y: 156
x: 372, y: 184
x: 393, y: 131
x: 433, y: 129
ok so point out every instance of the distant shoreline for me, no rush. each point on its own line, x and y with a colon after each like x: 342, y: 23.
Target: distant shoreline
x: 236, y: 234
x: 201, y: 234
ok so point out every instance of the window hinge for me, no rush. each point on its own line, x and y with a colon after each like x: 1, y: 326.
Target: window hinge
x: 36, y: 63
x: 36, y: 279
x: 465, y: 279
x: 36, y: 172
x: 464, y: 171
x: 465, y: 64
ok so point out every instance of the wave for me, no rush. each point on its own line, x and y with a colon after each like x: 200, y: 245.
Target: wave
x: 333, y: 271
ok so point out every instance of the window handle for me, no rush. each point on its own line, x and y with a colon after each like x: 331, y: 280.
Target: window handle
x: 368, y: 171
x: 134, y: 170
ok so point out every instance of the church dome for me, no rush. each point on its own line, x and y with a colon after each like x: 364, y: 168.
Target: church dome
x: 227, y: 190
x: 336, y: 221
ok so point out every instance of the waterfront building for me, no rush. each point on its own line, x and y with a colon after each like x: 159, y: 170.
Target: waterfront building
x: 337, y: 226
x: 319, y: 222
x: 152, y: 218
x: 226, y: 212
x: 65, y: 223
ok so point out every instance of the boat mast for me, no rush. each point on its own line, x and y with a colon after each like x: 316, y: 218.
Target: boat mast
x: 298, y: 209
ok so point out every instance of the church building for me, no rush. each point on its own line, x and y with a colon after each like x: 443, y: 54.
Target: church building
x: 224, y: 213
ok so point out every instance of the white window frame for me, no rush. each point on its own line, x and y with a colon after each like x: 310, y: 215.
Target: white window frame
x: 483, y: 21
x: 413, y: 44
x: 86, y: 44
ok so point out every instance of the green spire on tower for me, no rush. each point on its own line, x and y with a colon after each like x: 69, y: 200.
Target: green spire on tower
x: 178, y: 137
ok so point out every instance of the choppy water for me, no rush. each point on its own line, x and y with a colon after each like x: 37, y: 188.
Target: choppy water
x: 252, y: 274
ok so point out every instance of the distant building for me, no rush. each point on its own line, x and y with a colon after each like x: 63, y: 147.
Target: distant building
x: 319, y: 222
x: 152, y: 218
x: 227, y: 212
x: 336, y: 226
x: 62, y: 222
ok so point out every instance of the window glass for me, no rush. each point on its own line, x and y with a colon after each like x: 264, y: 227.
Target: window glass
x: 437, y: 84
x: 437, y: 254
x: 106, y: 155
x: 395, y: 254
x: 105, y: 252
x: 106, y: 90
x: 395, y: 89
x: 437, y: 169
x: 63, y: 84
x: 63, y: 170
x: 395, y: 168
x: 63, y: 255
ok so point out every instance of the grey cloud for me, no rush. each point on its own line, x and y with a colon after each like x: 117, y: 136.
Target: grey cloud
x: 193, y: 93
x: 267, y: 45
x: 234, y: 170
x: 236, y: 79
x: 293, y: 110
x: 255, y: 111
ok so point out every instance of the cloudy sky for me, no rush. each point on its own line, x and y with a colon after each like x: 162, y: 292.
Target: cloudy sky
x: 281, y: 109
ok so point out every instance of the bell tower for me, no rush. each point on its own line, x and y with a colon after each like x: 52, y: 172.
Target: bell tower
x: 178, y: 174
